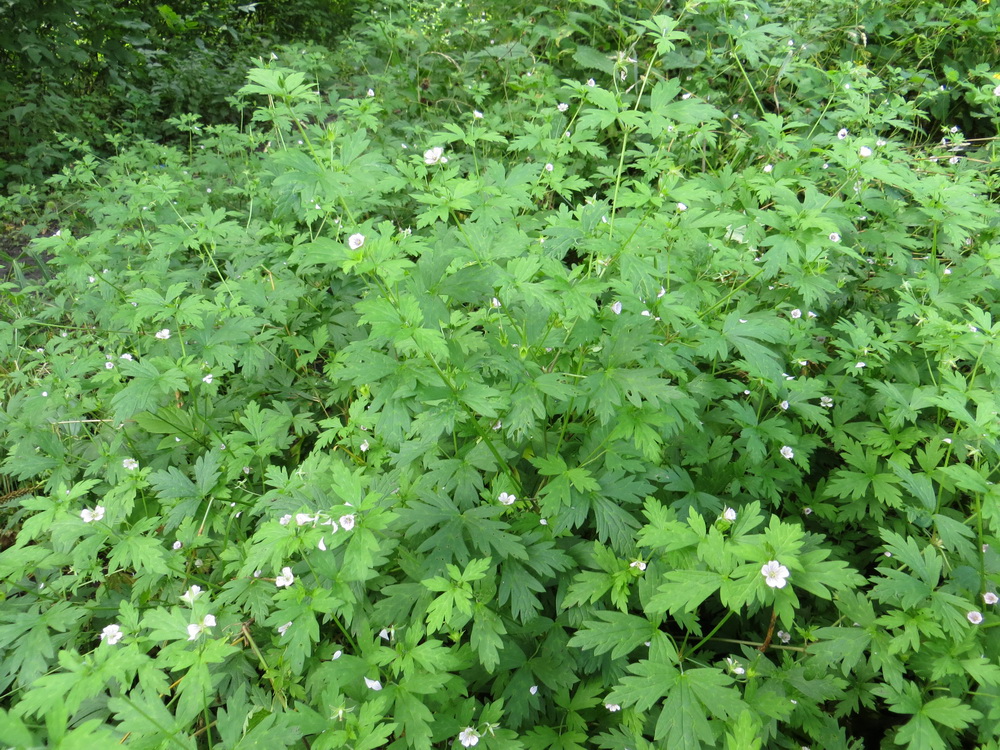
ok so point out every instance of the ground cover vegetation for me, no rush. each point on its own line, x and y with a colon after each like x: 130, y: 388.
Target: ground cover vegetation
x: 614, y: 375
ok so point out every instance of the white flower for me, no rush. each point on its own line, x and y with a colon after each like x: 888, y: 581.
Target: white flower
x: 842, y: 133
x: 787, y: 452
x: 322, y: 544
x: 505, y: 498
x: 301, y: 519
x: 616, y: 307
x: 468, y: 737
x: 347, y: 522
x: 126, y: 356
x: 131, y: 464
x: 197, y: 628
x: 639, y: 564
x: 784, y: 405
x: 112, y: 634
x: 285, y: 519
x: 990, y: 598
x: 860, y: 365
x: 974, y: 617
x: 880, y: 142
x: 996, y: 91
x: 807, y: 511
x: 591, y: 82
x: 373, y: 684
x: 775, y: 574
x: 796, y: 313
x: 495, y: 303
x: 191, y: 594
x: 682, y: 207
x: 783, y: 636
x: 89, y: 516
x: 178, y: 544
x: 768, y: 168
x: 371, y: 92
x: 612, y: 707
x: 864, y: 152
x: 285, y: 579
x: 364, y: 446
x: 477, y: 114
x: 434, y: 156
x: 109, y: 365
x: 533, y: 689
x: 825, y: 401
x: 355, y: 241
x: 208, y: 379
x: 549, y: 167
x: 164, y: 334
x: 282, y: 629
x: 811, y: 314
x: 336, y: 655
x: 729, y: 513
x: 563, y: 106
x: 834, y: 237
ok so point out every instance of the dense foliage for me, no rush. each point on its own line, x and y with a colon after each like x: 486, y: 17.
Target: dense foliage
x: 75, y: 71
x: 602, y: 375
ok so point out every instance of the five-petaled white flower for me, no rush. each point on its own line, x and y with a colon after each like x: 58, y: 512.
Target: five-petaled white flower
x: 796, y: 313
x: 178, y: 544
x: 825, y: 401
x: 842, y: 133
x: 775, y: 574
x: 682, y: 207
x: 89, y: 516
x: 468, y: 737
x: 208, y: 379
x: 768, y: 168
x: 834, y: 237
x: 347, y: 522
x: 729, y: 513
x: 549, y: 167
x: 163, y: 334
x: 191, y: 594
x: 638, y: 565
x: 434, y: 156
x: 285, y: 579
x: 974, y: 617
x: 787, y: 452
x: 864, y: 152
x: 505, y: 498
x: 112, y: 634
x: 373, y: 684
x: 131, y: 464
x: 990, y: 598
x: 563, y: 106
x: 476, y: 114
x: 197, y: 628
x: 355, y: 241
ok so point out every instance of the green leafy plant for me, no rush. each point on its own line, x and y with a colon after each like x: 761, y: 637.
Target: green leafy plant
x: 550, y: 380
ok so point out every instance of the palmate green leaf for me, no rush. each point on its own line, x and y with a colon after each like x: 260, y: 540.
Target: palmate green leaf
x: 149, y: 722
x: 696, y: 694
x: 653, y: 679
x: 613, y: 631
x: 486, y: 639
x: 683, y: 591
